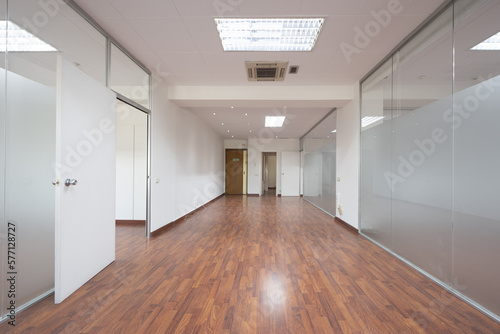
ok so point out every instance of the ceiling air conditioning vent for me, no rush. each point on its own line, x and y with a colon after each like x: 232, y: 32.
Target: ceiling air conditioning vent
x: 266, y: 70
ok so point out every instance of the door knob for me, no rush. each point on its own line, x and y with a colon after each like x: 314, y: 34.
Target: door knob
x: 70, y: 182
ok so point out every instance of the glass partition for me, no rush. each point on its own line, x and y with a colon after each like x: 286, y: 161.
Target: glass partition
x: 28, y: 94
x: 319, y: 165
x: 3, y: 224
x: 421, y: 180
x: 376, y: 133
x: 476, y: 180
x: 429, y: 164
x: 128, y: 79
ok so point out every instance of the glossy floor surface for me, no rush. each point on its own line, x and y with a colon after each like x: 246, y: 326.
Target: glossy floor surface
x: 254, y: 265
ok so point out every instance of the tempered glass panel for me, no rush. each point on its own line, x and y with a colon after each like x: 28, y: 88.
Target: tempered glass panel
x: 320, y: 165
x: 30, y: 153
x: 376, y: 167
x: 60, y: 26
x: 422, y: 159
x: 3, y: 236
x: 128, y: 79
x: 476, y: 180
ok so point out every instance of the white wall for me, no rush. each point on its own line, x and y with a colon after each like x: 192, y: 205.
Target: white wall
x: 348, y: 159
x: 237, y: 144
x: 131, y: 166
x: 187, y: 161
x: 255, y: 148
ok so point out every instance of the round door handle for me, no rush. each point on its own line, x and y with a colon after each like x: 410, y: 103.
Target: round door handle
x: 70, y: 182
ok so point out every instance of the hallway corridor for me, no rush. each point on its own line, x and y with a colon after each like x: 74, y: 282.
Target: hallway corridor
x: 254, y: 265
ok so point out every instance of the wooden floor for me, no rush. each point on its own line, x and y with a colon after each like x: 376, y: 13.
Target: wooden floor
x: 254, y: 265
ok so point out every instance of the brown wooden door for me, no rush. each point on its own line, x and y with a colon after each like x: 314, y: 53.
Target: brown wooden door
x: 234, y: 172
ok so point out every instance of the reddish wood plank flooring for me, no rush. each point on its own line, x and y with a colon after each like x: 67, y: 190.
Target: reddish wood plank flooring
x: 254, y: 265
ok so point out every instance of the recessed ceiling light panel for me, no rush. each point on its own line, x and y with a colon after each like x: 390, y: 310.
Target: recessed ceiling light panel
x: 490, y: 44
x: 275, y: 121
x: 19, y: 40
x: 263, y: 34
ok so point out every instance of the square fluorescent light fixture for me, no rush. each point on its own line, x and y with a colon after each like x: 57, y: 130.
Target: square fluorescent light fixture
x: 490, y: 44
x: 19, y: 40
x: 264, y: 34
x: 275, y: 121
x: 370, y: 120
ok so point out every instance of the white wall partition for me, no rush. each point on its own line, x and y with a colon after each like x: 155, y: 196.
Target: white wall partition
x: 187, y: 161
x: 430, y: 156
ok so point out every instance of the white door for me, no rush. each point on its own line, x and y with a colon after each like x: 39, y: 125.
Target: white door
x: 290, y: 174
x: 85, y: 157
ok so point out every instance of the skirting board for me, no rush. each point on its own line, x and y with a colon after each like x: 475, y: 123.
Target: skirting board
x: 167, y: 227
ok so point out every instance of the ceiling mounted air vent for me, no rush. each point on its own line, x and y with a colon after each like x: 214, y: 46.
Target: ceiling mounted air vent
x: 294, y: 69
x: 266, y: 70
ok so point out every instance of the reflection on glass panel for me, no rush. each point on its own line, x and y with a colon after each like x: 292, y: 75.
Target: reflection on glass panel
x: 422, y: 150
x: 128, y: 79
x: 320, y: 165
x: 476, y: 179
x: 376, y: 133
x: 65, y: 30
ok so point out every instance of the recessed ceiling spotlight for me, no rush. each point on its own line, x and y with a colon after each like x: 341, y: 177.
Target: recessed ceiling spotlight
x: 232, y: 107
x: 227, y: 130
x: 221, y: 123
x: 232, y: 136
x: 246, y: 114
x: 250, y: 130
x: 213, y: 114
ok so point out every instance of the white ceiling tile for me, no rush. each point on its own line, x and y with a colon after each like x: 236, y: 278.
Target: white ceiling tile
x: 184, y: 63
x: 401, y: 7
x: 269, y: 8
x: 225, y: 63
x: 207, y: 8
x: 322, y: 7
x: 204, y: 34
x: 145, y: 8
x: 98, y: 8
x: 164, y: 35
x: 310, y: 62
x: 334, y: 31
